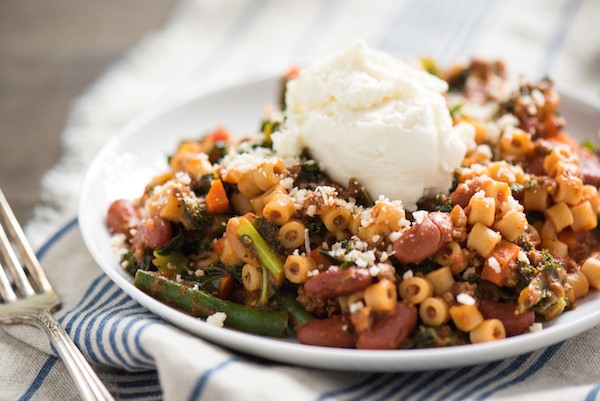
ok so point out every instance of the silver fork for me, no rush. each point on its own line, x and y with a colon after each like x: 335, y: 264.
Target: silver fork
x: 30, y: 299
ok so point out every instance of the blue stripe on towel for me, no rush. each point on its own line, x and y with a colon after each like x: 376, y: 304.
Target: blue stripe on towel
x: 410, y: 383
x: 375, y: 389
x: 454, y: 375
x: 41, y: 252
x: 197, y: 390
x: 39, y: 379
x: 593, y: 393
x: 134, y: 315
x: 534, y: 368
x: 357, y: 386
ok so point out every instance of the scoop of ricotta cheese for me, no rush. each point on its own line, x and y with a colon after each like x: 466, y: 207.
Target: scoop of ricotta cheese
x: 364, y: 114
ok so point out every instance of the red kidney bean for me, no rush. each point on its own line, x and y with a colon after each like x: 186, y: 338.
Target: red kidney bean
x: 424, y: 239
x: 330, y: 332
x: 122, y: 217
x: 152, y: 233
x: 464, y: 191
x: 391, y: 329
x: 513, y: 324
x: 334, y: 283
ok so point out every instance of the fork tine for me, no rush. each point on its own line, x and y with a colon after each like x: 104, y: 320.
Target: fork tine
x: 27, y: 254
x: 5, y: 288
x: 13, y: 265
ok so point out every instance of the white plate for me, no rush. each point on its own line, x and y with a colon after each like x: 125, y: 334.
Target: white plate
x: 137, y: 153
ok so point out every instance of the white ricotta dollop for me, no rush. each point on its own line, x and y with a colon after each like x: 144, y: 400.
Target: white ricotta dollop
x: 364, y: 114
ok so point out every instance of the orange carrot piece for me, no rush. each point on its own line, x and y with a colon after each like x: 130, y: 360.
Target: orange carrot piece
x: 504, y: 253
x: 220, y: 135
x: 216, y: 199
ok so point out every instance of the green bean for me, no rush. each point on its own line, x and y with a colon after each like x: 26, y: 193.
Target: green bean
x: 297, y: 314
x: 202, y: 304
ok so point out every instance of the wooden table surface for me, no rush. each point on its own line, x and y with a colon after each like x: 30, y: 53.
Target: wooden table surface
x: 50, y: 52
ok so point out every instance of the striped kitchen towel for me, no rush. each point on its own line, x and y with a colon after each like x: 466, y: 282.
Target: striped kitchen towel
x: 207, y: 44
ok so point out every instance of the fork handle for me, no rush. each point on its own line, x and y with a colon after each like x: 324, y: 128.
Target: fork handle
x: 90, y: 386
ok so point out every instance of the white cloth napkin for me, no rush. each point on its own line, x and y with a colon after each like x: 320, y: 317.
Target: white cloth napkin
x: 210, y: 43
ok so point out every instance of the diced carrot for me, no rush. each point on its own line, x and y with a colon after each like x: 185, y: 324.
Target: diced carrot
x: 225, y: 286
x: 220, y: 135
x: 320, y: 260
x: 216, y: 199
x: 218, y: 245
x: 291, y: 73
x: 504, y: 253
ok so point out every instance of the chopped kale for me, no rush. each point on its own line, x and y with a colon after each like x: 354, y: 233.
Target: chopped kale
x: 310, y: 172
x: 267, y: 128
x: 430, y: 337
x: 516, y: 188
x: 270, y: 233
x: 196, y: 219
x: 443, y: 203
x: 131, y: 264
x: 357, y: 191
x: 315, y: 226
x: 218, y: 151
x: 202, y: 186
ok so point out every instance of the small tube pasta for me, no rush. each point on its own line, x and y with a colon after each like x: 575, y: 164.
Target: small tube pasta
x: 557, y: 248
x: 458, y: 216
x: 452, y: 256
x: 591, y: 270
x: 499, y: 191
x: 512, y: 224
x: 488, y: 330
x: 557, y: 161
x: 228, y: 256
x: 247, y: 185
x: 388, y: 214
x: 441, y: 279
x: 483, y: 239
x: 481, y: 209
x: 381, y: 296
x: 354, y: 224
x: 375, y: 235
x: 266, y: 175
x: 240, y: 203
x: 297, y: 267
x: 291, y: 234
x: 569, y: 189
x: 535, y: 199
x: 336, y: 218
x: 466, y: 317
x: 560, y: 215
x: 515, y: 143
x: 579, y: 283
x: 584, y: 218
x: 251, y: 277
x: 434, y: 311
x: 279, y: 209
x: 415, y: 289
x: 259, y: 202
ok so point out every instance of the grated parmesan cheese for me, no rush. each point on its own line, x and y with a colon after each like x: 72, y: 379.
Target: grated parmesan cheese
x: 536, y: 327
x: 493, y: 263
x: 465, y: 299
x: 217, y: 319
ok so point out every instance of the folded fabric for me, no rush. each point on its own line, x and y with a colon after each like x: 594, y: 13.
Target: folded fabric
x: 207, y: 44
